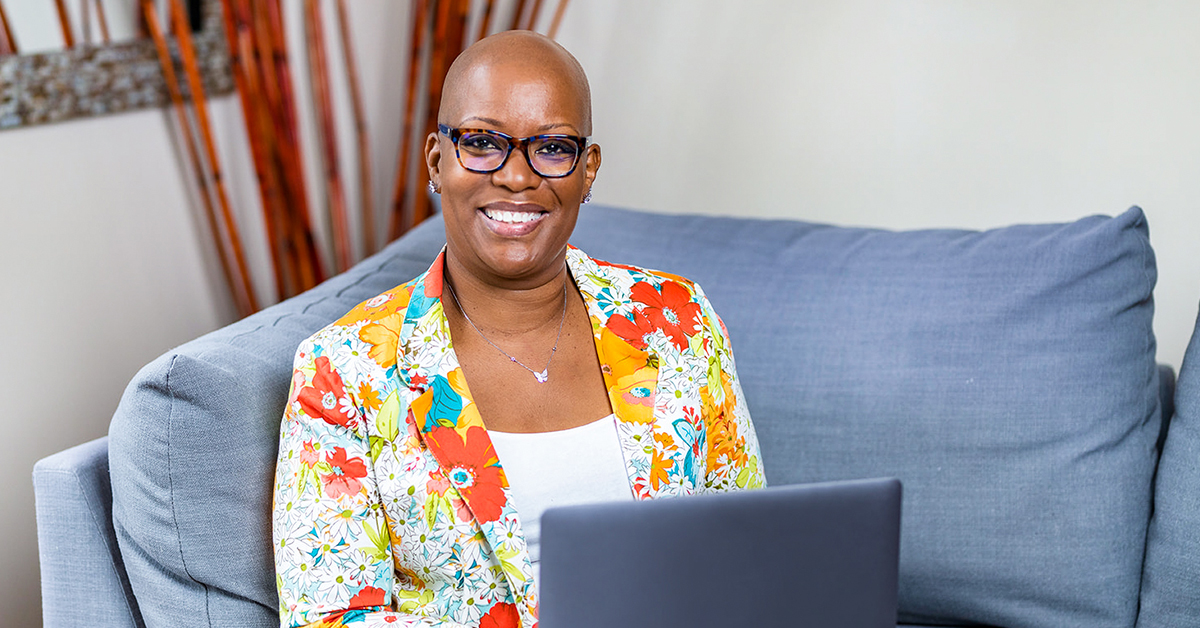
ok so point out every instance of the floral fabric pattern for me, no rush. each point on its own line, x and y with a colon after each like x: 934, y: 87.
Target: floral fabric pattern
x: 391, y: 506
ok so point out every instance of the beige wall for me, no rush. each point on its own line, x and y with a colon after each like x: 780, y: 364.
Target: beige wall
x: 901, y: 113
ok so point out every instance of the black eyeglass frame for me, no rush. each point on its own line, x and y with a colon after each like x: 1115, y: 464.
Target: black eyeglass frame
x: 514, y: 142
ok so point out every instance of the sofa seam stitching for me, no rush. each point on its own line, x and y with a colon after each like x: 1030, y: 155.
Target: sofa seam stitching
x: 171, y: 486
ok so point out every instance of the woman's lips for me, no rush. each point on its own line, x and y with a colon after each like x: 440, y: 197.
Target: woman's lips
x: 512, y: 222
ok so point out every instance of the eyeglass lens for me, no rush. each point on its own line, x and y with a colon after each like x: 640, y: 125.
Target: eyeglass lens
x: 548, y: 156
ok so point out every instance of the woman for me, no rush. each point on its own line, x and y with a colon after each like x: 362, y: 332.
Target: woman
x: 593, y: 381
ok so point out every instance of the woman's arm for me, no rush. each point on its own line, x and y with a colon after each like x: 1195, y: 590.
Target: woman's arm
x: 734, y: 457
x: 333, y: 552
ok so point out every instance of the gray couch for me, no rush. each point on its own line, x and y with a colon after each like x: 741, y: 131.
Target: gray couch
x: 1007, y: 377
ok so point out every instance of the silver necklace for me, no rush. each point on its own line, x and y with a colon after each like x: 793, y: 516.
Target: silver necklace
x: 543, y: 375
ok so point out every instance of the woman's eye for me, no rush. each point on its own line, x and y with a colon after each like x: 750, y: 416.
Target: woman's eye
x: 479, y: 143
x: 557, y: 148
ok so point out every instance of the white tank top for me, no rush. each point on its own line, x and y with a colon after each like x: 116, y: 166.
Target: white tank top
x: 580, y: 465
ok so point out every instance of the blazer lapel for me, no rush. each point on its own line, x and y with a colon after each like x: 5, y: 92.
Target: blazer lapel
x: 630, y: 372
x: 449, y: 424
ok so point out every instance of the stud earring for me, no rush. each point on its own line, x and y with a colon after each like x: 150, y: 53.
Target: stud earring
x: 433, y: 188
x: 587, y: 198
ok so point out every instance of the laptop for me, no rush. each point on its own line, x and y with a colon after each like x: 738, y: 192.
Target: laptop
x: 823, y: 555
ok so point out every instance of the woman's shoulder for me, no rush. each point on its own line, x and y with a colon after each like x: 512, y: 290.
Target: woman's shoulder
x: 383, y: 312
x: 644, y: 296
x: 626, y: 276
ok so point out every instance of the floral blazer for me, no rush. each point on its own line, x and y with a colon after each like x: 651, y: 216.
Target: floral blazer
x: 391, y: 507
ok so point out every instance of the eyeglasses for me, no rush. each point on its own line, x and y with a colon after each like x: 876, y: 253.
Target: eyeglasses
x: 483, y: 151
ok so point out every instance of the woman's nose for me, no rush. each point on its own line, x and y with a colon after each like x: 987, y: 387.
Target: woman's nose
x: 516, y: 174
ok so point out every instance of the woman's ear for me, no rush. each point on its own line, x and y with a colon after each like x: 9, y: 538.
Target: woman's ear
x: 433, y: 159
x: 591, y: 165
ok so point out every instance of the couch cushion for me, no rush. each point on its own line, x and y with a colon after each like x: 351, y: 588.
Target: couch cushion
x: 1007, y: 377
x: 192, y: 451
x: 1171, y: 578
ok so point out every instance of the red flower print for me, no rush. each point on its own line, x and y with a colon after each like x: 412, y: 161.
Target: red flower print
x: 345, y: 473
x: 309, y: 454
x: 472, y: 467
x: 636, y: 331
x: 670, y: 308
x: 327, y: 397
x: 368, y: 597
x: 502, y: 615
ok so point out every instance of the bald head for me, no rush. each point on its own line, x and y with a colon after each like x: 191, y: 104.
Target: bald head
x: 515, y: 56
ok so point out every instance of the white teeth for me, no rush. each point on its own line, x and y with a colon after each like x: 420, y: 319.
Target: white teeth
x: 511, y: 217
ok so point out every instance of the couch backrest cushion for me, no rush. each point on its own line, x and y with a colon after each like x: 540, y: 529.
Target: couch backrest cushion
x: 1171, y: 578
x: 1007, y: 377
x: 192, y: 451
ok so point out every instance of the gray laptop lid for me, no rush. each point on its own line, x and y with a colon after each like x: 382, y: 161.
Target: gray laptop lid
x: 801, y: 555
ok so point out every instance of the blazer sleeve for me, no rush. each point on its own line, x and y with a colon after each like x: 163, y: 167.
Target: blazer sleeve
x: 332, y: 546
x: 734, y: 457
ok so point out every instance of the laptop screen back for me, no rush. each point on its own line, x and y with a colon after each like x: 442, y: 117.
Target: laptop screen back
x: 801, y: 555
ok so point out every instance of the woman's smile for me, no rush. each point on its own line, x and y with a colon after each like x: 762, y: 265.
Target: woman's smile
x: 512, y: 220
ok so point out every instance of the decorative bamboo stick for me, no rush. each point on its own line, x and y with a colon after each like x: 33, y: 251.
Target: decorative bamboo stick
x: 396, y: 224
x: 258, y: 130
x: 150, y: 14
x: 319, y: 69
x: 533, y: 15
x: 518, y: 10
x: 85, y: 18
x: 102, y: 21
x: 8, y: 44
x: 183, y: 34
x: 485, y: 22
x: 360, y: 127
x: 299, y: 224
x: 558, y: 17
x: 64, y: 20
x: 450, y: 28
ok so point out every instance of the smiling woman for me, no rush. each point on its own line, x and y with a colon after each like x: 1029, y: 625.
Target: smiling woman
x: 393, y: 500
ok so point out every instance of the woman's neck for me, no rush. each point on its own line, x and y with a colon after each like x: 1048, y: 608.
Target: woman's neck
x: 505, y: 308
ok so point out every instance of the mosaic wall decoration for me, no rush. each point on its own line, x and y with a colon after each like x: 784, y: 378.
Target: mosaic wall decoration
x: 98, y: 80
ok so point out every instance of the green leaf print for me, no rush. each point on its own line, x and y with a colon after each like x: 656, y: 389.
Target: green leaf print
x: 388, y: 419
x: 506, y: 555
x: 381, y: 542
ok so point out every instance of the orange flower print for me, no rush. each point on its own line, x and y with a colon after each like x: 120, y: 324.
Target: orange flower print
x: 327, y: 397
x: 631, y: 380
x: 660, y: 467
x: 472, y: 467
x: 502, y: 615
x: 344, y: 475
x: 634, y: 394
x: 670, y: 308
x: 368, y: 597
x: 368, y: 397
x: 383, y: 338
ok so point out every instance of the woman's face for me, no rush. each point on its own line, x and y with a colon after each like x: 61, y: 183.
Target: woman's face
x: 511, y: 226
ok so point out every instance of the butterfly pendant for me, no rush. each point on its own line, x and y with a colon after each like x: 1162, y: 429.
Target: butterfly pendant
x: 542, y: 376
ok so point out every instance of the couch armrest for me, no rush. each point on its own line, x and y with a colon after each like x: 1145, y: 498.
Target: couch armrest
x: 83, y: 576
